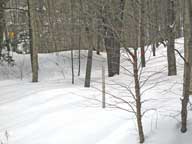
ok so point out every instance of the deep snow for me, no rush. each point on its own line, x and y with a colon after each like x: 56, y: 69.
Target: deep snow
x: 54, y: 111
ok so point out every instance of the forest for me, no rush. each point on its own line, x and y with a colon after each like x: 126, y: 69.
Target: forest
x: 95, y: 71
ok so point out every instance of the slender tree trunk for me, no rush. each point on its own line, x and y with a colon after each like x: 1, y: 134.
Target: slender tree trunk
x: 142, y: 32
x: 88, y: 69
x: 112, y: 43
x: 99, y: 30
x: 79, y: 50
x: 89, y: 60
x: 188, y: 63
x: 155, y: 26
x: 154, y: 49
x: 32, y: 35
x: 103, y: 86
x: 188, y: 38
x: 172, y: 70
x: 72, y: 67
x: 109, y: 50
x: 1, y: 27
x: 178, y: 19
x: 116, y: 52
x: 151, y: 24
x: 138, y: 98
x: 79, y: 56
x: 98, y: 44
x: 186, y: 86
x: 117, y: 44
x: 72, y: 40
x: 185, y: 100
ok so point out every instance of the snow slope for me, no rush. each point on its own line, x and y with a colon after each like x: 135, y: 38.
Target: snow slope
x: 54, y: 111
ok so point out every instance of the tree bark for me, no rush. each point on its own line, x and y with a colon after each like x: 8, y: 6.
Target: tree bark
x: 142, y: 32
x: 89, y: 60
x: 109, y: 44
x: 188, y: 63
x: 154, y: 49
x: 72, y: 41
x: 88, y: 69
x: 103, y: 86
x: 138, y: 98
x: 112, y: 41
x: 185, y: 100
x: 99, y: 39
x: 2, y: 26
x: 172, y: 70
x: 32, y: 35
x: 79, y: 54
x: 178, y: 19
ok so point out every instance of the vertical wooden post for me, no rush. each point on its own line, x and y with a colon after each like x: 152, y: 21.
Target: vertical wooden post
x: 103, y: 86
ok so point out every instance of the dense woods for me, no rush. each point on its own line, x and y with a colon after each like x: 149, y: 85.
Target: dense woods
x: 114, y: 27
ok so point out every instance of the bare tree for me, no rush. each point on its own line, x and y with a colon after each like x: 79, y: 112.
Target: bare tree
x: 138, y: 97
x: 188, y: 63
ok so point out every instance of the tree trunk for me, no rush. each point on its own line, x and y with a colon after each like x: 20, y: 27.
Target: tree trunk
x: 109, y: 42
x: 188, y: 36
x: 72, y: 67
x: 89, y: 59
x: 138, y: 98
x: 79, y: 46
x: 116, y: 52
x: 88, y: 69
x: 154, y: 49
x: 185, y: 100
x: 172, y: 70
x: 142, y: 32
x: 32, y: 35
x: 178, y: 19
x: 79, y: 55
x: 103, y: 86
x: 186, y: 86
x: 72, y: 41
x: 113, y: 55
x: 188, y: 63
x: 98, y: 43
x: 112, y: 43
x: 2, y: 26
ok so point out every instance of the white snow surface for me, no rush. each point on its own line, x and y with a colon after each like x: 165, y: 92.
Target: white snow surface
x: 53, y: 111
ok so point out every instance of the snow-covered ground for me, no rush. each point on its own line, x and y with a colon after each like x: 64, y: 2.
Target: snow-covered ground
x: 54, y: 111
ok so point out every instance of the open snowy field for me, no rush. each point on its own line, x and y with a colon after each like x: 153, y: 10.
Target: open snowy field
x: 54, y: 111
